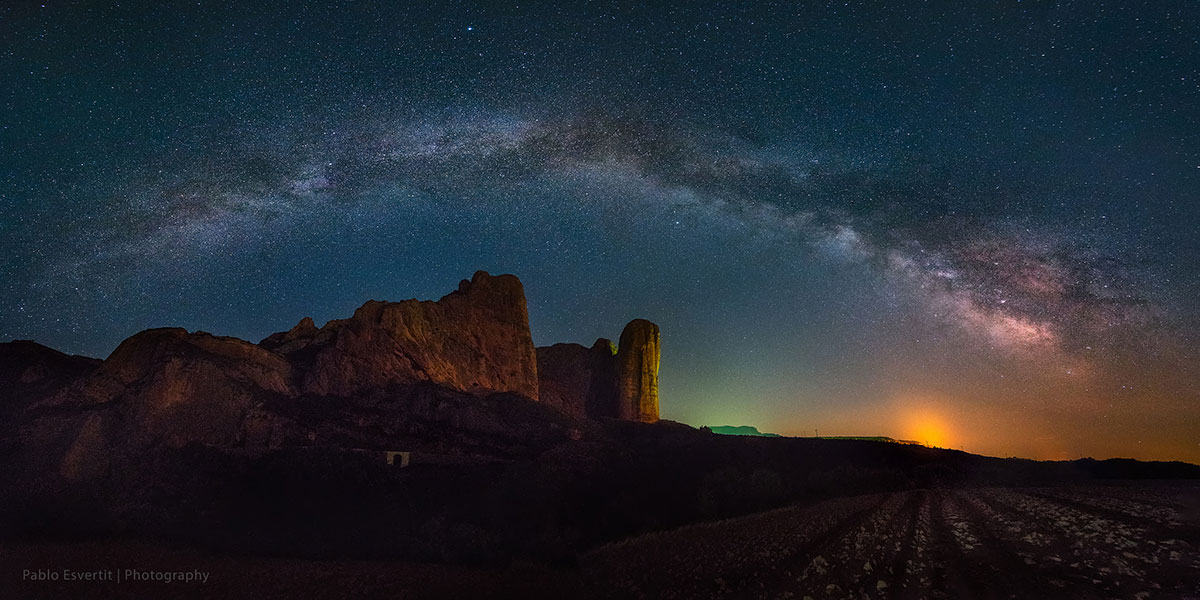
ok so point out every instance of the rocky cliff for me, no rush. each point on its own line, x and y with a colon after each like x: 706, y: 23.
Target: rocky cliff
x: 411, y: 372
x: 637, y: 372
x: 606, y: 380
x: 578, y: 380
x: 475, y: 339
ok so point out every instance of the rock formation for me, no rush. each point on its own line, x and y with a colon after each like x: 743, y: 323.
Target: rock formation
x: 637, y: 372
x: 475, y: 339
x: 564, y: 377
x: 578, y: 380
x: 31, y: 371
x: 295, y: 338
x: 420, y: 367
x: 175, y: 387
x: 605, y: 381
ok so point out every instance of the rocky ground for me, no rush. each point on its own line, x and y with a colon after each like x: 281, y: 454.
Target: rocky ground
x: 1065, y: 542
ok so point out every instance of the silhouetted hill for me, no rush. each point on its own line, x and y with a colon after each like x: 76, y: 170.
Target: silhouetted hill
x: 740, y: 430
x: 30, y: 371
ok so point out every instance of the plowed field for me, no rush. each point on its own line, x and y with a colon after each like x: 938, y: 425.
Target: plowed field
x: 978, y: 543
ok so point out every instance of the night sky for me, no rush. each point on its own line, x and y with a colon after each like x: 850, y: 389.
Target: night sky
x: 969, y: 224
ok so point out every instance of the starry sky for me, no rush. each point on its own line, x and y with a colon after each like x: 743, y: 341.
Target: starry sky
x: 973, y: 225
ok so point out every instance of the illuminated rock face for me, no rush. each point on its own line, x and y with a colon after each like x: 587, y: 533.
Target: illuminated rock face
x: 475, y: 339
x: 606, y: 380
x: 637, y: 372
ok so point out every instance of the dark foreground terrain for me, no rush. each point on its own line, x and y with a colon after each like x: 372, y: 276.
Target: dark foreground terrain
x: 1114, y: 541
x: 978, y: 543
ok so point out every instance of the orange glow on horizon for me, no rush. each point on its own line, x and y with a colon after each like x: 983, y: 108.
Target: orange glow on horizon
x: 926, y: 427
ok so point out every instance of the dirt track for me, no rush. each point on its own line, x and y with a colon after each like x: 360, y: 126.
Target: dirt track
x: 985, y: 543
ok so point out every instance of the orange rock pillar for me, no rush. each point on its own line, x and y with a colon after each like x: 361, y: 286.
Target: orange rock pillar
x: 637, y: 371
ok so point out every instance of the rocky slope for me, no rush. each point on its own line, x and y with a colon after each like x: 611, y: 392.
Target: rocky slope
x: 176, y: 387
x: 160, y: 387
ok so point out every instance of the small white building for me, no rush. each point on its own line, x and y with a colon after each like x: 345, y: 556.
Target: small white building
x: 394, y: 457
